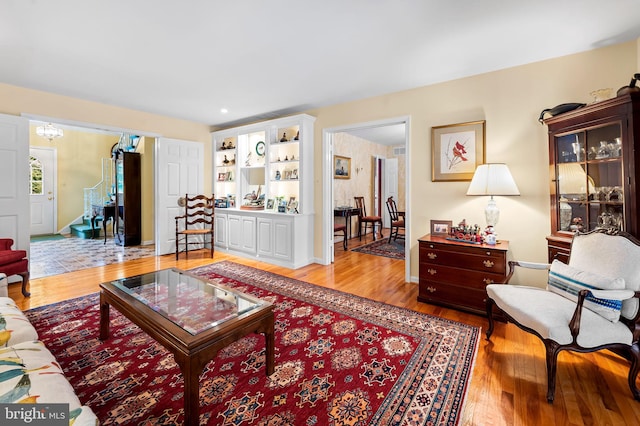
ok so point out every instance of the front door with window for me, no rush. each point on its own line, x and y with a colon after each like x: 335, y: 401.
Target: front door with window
x: 42, y: 190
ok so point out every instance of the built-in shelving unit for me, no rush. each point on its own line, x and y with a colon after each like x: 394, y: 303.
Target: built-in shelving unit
x: 263, y: 184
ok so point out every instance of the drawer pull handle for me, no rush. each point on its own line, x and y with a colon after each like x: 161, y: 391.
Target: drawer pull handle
x: 488, y: 263
x: 432, y: 255
x: 488, y: 253
x: 488, y: 281
x: 432, y: 271
x: 431, y: 289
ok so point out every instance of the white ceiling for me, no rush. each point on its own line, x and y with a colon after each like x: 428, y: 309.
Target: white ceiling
x: 261, y: 59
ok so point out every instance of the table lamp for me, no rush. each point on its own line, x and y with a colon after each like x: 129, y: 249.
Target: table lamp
x: 492, y: 179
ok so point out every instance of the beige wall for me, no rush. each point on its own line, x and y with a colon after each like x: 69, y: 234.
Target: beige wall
x: 509, y: 100
x: 79, y: 157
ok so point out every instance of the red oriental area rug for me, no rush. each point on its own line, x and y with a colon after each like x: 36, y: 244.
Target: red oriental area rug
x: 340, y: 360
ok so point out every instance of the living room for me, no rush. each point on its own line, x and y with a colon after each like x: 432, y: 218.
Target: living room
x: 509, y: 100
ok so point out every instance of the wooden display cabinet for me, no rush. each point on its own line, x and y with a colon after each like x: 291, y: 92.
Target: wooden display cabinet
x: 593, y: 160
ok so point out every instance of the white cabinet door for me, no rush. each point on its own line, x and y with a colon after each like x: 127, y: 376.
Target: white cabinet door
x: 235, y: 231
x: 248, y: 234
x: 220, y: 232
x: 265, y: 237
x: 282, y: 239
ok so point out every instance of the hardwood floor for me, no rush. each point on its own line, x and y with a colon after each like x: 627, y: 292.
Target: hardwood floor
x: 508, y: 385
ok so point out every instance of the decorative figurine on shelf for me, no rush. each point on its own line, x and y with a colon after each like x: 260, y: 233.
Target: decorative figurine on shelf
x: 233, y: 160
x: 293, y: 157
x: 226, y: 160
x: 284, y: 137
x: 224, y: 146
x: 279, y: 158
x: 286, y: 158
x: 278, y: 175
x: 297, y: 138
x: 230, y: 145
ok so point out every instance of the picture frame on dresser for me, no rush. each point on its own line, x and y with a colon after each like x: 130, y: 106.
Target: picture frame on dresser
x: 456, y: 150
x: 441, y: 228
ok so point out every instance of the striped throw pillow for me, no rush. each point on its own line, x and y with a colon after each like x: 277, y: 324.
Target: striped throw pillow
x: 567, y: 282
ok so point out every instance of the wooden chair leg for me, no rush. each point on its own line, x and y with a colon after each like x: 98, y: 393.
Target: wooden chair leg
x: 552, y: 349
x: 344, y: 241
x: 489, y: 305
x: 25, y: 282
x: 634, y: 369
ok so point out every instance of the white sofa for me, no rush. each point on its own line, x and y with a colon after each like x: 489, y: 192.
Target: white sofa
x: 29, y: 373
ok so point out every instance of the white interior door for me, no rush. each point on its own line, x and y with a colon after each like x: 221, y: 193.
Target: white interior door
x: 43, y: 200
x: 390, y: 187
x: 14, y: 187
x: 179, y: 171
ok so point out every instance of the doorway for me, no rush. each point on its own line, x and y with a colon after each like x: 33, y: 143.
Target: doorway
x: 43, y: 194
x: 83, y: 157
x: 368, y: 131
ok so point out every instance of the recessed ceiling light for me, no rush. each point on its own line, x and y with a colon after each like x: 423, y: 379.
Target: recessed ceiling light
x: 224, y: 110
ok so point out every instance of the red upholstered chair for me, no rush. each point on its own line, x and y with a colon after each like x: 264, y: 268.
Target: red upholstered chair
x: 14, y: 262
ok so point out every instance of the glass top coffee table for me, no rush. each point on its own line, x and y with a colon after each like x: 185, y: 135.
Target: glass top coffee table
x: 191, y: 317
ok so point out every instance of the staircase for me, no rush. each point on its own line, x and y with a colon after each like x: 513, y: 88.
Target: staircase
x: 103, y: 192
x: 98, y: 195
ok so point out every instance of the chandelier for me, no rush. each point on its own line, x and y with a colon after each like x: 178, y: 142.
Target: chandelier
x: 49, y: 131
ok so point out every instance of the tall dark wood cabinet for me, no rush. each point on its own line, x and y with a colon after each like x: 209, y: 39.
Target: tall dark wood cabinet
x: 593, y: 164
x: 128, y: 198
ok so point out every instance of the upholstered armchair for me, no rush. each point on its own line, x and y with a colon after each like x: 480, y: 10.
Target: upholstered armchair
x: 588, y: 305
x: 14, y: 262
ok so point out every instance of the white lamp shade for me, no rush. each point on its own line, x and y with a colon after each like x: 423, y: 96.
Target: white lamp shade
x: 493, y: 179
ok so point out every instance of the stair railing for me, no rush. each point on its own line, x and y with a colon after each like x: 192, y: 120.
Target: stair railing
x: 101, y: 193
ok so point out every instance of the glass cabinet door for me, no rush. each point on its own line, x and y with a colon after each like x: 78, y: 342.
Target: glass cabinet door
x: 589, y: 179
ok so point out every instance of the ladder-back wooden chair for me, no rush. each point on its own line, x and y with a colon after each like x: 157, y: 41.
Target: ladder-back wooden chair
x: 397, y: 220
x: 197, y: 220
x: 364, y: 219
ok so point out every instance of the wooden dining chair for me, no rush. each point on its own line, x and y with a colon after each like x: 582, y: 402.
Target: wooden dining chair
x: 366, y: 220
x: 397, y: 220
x: 197, y: 220
x: 341, y: 228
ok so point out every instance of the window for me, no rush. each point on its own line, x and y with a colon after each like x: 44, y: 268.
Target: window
x: 35, y: 176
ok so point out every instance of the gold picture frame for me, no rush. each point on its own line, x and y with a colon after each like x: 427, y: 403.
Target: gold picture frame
x: 441, y: 228
x: 456, y: 151
x: 341, y: 167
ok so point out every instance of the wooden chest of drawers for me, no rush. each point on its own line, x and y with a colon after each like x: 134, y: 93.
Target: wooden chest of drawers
x: 455, y: 274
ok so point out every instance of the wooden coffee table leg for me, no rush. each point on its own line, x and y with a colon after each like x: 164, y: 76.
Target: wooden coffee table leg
x: 269, y: 337
x: 191, y: 374
x: 104, y: 318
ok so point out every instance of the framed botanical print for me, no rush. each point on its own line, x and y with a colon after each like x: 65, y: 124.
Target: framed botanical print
x: 456, y: 151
